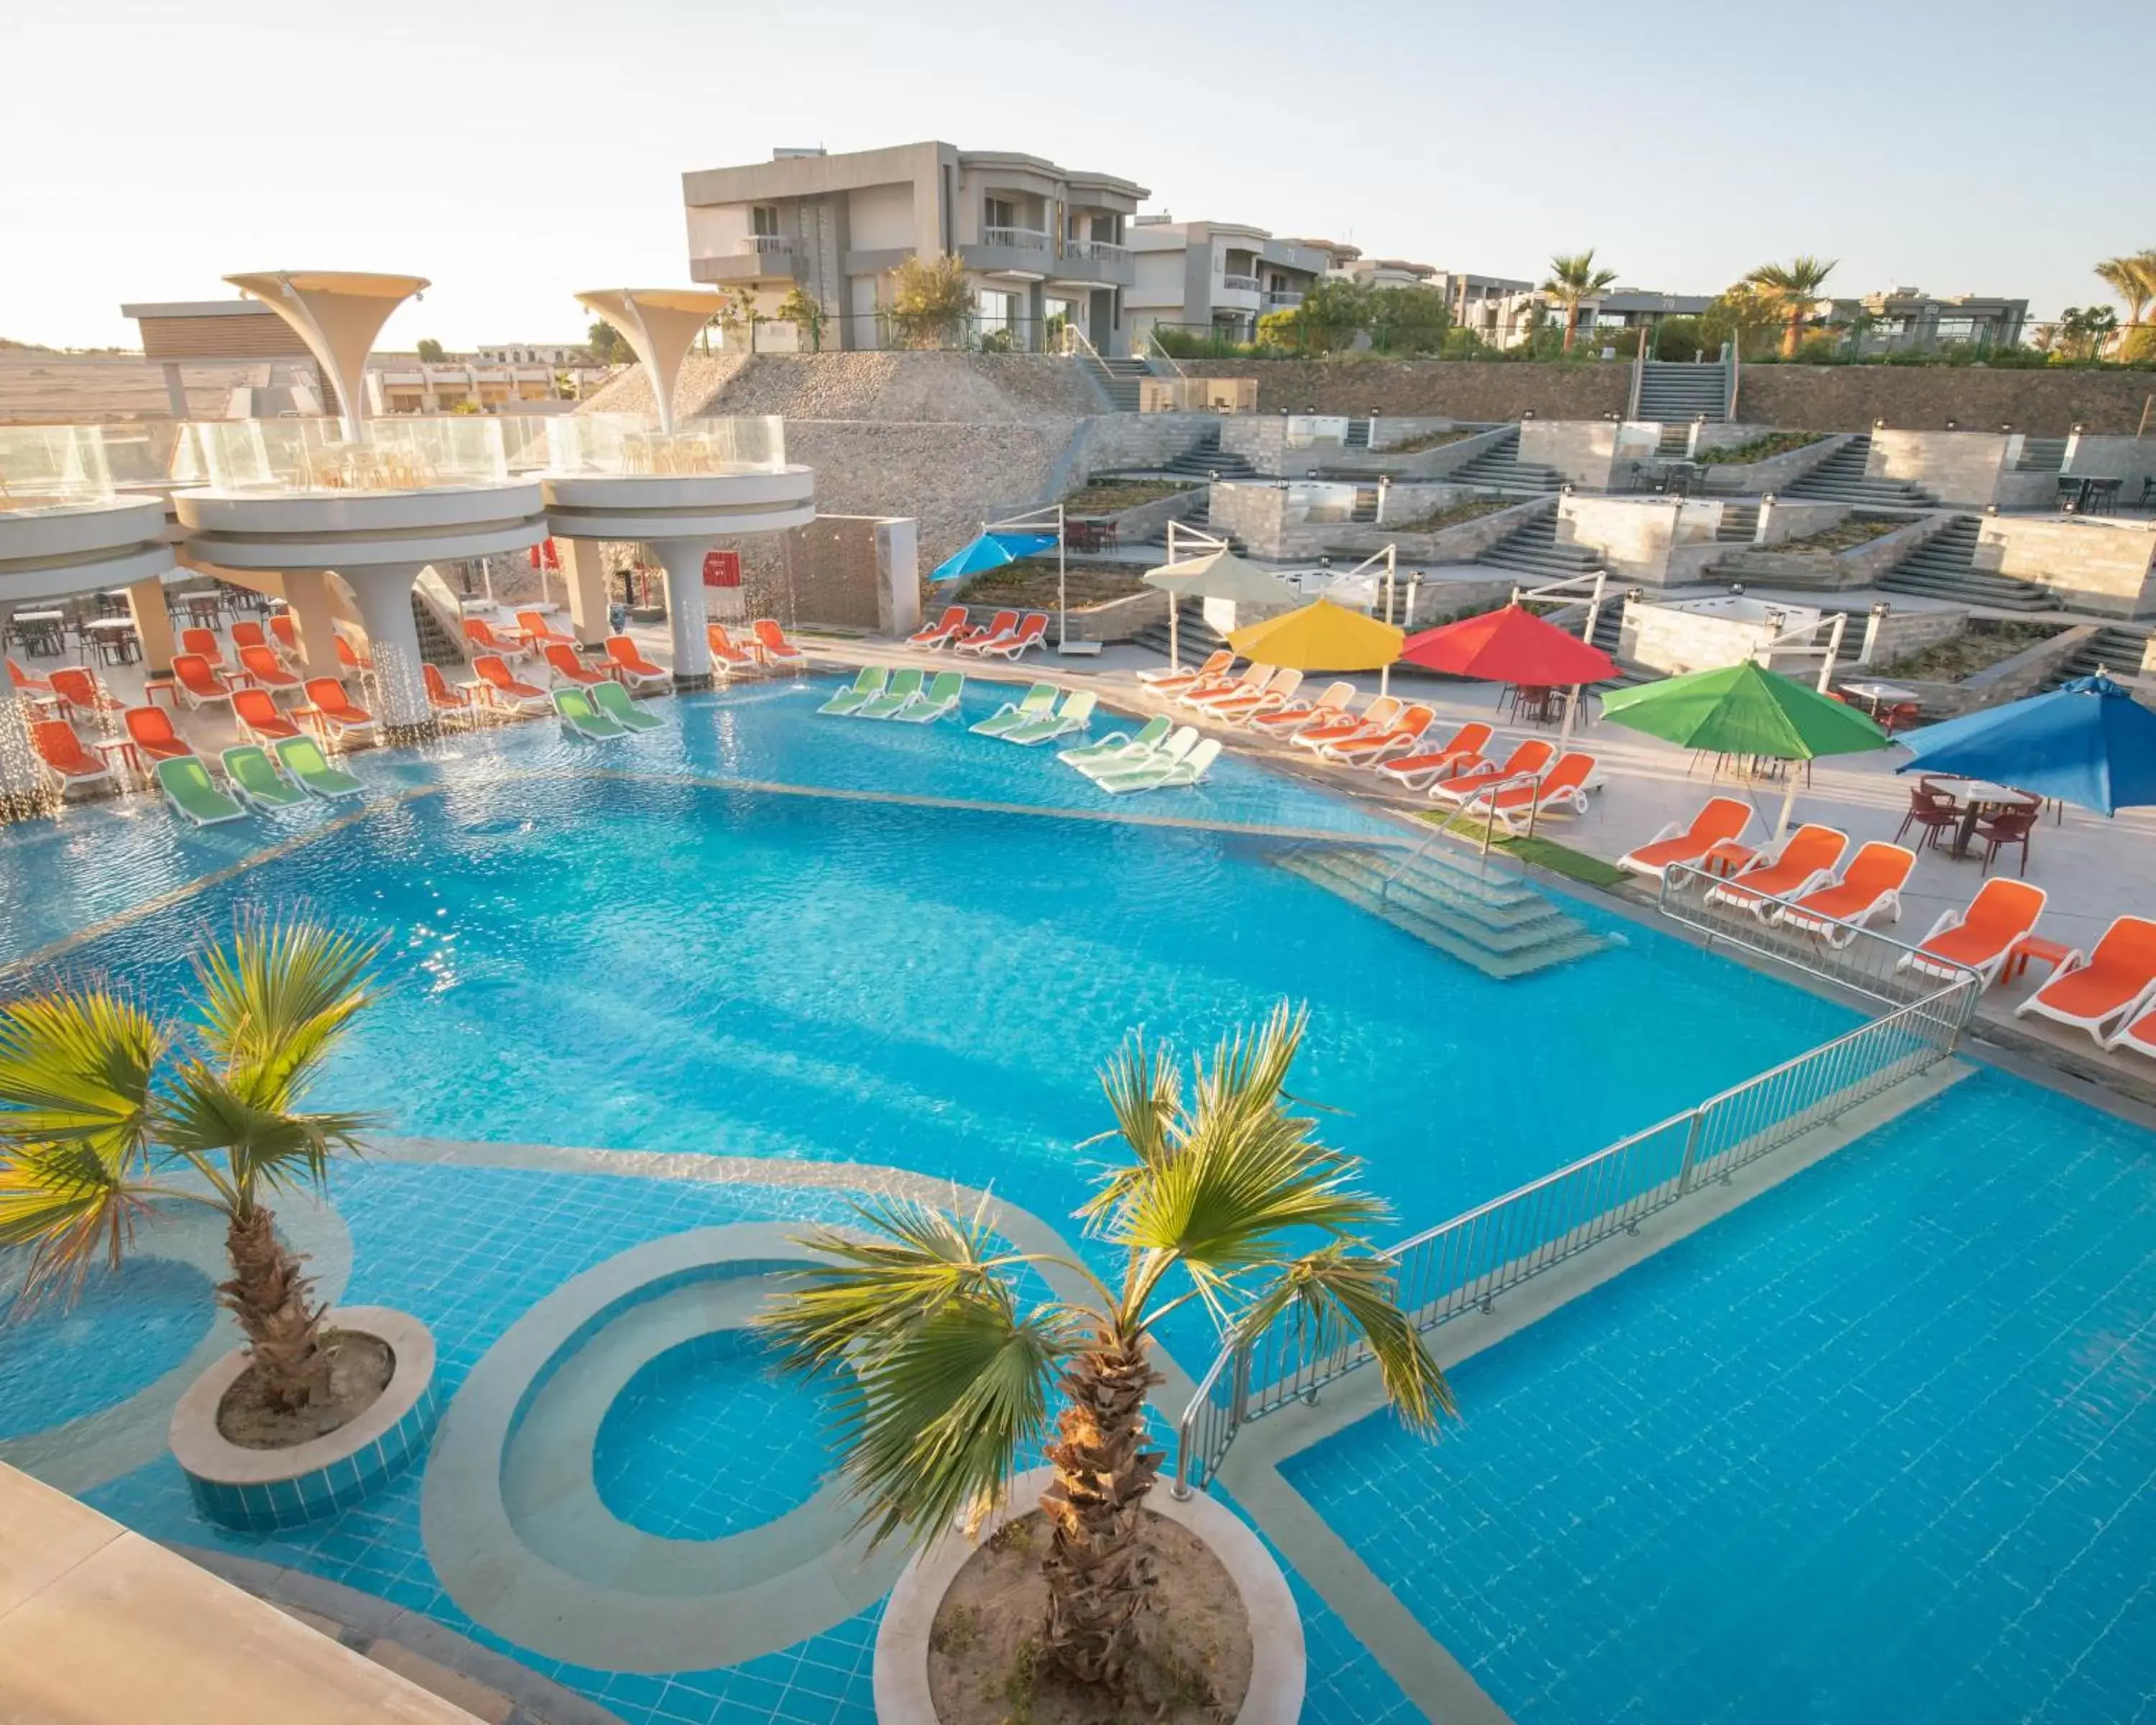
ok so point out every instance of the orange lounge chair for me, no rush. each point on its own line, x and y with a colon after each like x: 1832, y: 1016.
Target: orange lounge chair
x: 337, y: 709
x: 565, y: 665
x: 1255, y: 678
x: 248, y: 634
x: 1002, y: 624
x: 27, y: 683
x: 1378, y: 714
x: 1169, y: 681
x: 1803, y: 865
x: 205, y: 645
x: 450, y: 703
x: 1298, y: 715
x: 262, y: 664
x: 65, y: 756
x: 197, y: 681
x: 727, y: 658
x: 1722, y: 820
x: 1031, y: 632
x: 537, y: 632
x: 1982, y: 938
x: 1373, y: 743
x: 632, y: 667
x: 284, y: 634
x: 79, y: 691
x: 1462, y: 749
x: 348, y: 657
x: 1237, y: 708
x: 772, y: 644
x: 1526, y: 761
x: 150, y: 729
x: 479, y: 633
x: 258, y: 716
x: 1563, y: 788
x: 2117, y: 980
x: 496, y: 685
x: 943, y: 632
x: 2138, y: 1033
x: 1871, y: 884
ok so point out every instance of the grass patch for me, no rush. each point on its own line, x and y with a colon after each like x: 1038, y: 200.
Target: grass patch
x: 1428, y: 440
x: 1030, y: 582
x: 1986, y: 641
x: 1467, y: 508
x: 1112, y: 496
x: 1843, y: 536
x: 1545, y: 854
x: 1774, y: 443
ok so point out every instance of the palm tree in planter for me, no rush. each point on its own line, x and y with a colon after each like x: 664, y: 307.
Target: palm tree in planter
x: 1794, y: 287
x: 1573, y: 279
x: 1227, y: 1199
x: 101, y: 1106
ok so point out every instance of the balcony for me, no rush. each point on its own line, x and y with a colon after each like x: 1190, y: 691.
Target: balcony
x: 1239, y: 284
x: 1027, y: 253
x: 763, y: 244
x: 1094, y: 263
x: 1016, y: 240
x: 1282, y: 300
x: 1238, y: 292
x: 757, y: 258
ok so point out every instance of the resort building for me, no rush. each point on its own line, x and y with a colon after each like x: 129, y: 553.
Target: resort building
x: 534, y: 353
x: 1902, y: 319
x: 1044, y: 247
x: 1218, y: 277
x: 1636, y: 308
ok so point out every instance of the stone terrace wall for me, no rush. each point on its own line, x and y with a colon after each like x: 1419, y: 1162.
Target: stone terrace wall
x: 1472, y: 390
x: 2046, y: 404
x: 976, y: 387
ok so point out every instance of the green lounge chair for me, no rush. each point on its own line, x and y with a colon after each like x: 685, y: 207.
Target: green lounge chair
x: 903, y: 686
x: 1038, y: 703
x: 933, y: 703
x: 1160, y: 775
x: 302, y: 757
x: 1076, y: 713
x: 580, y: 716
x: 255, y: 777
x: 865, y: 687
x: 1180, y: 742
x: 1119, y: 747
x: 194, y: 793
x: 616, y: 704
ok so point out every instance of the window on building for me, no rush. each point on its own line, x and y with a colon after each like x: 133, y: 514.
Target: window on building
x: 764, y: 219
x: 998, y: 212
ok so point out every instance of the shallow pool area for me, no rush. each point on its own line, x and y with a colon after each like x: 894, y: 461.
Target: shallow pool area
x: 718, y: 981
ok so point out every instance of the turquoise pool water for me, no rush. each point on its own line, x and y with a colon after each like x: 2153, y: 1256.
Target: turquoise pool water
x: 1879, y: 1445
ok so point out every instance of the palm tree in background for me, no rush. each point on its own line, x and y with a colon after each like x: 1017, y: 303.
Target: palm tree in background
x: 1795, y: 288
x: 1572, y: 279
x: 2133, y: 278
x: 1227, y: 1199
x: 100, y: 1105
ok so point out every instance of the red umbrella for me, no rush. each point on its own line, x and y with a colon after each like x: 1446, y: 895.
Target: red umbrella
x: 1512, y: 645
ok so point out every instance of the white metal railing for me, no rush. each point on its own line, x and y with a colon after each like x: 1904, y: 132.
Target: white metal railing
x: 1283, y: 299
x: 1239, y: 284
x: 1102, y: 251
x: 762, y: 243
x: 1022, y: 239
x: 1464, y: 1264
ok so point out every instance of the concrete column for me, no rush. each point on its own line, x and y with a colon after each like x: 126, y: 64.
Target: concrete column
x: 153, y: 624
x: 683, y: 562
x: 176, y: 390
x: 307, y: 598
x: 384, y: 592
x: 584, y: 575
x: 898, y: 575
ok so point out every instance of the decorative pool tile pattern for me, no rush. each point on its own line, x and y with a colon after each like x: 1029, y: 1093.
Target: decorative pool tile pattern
x: 1880, y: 1445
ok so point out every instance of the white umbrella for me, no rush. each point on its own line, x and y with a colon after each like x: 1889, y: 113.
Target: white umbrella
x: 1217, y: 575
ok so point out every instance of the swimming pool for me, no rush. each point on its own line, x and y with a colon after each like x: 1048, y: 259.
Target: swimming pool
x: 807, y: 941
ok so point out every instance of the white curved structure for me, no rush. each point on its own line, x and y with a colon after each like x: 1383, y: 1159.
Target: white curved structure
x: 660, y: 324
x: 678, y: 516
x: 338, y: 313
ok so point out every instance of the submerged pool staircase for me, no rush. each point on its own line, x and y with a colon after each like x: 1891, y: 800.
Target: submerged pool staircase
x: 1487, y: 917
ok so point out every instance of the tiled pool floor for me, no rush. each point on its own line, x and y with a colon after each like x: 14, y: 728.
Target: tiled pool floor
x: 1879, y: 1445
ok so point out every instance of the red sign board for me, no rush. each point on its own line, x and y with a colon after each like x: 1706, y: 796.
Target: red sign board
x: 545, y: 549
x: 723, y: 568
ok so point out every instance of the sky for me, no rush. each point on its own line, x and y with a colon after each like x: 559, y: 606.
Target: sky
x: 514, y: 154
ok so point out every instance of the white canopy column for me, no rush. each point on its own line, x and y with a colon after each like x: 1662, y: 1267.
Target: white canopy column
x: 660, y: 324
x: 338, y: 313
x: 384, y: 594
x: 685, y: 611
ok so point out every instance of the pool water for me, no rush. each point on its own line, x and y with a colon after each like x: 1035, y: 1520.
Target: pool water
x: 59, y: 1359
x: 1881, y: 1445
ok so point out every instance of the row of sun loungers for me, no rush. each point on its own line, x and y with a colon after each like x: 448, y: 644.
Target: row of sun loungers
x: 290, y: 772
x: 1005, y: 636
x: 905, y: 696
x: 1159, y: 756
x: 1035, y: 718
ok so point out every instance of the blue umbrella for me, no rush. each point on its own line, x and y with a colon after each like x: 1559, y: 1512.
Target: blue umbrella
x: 2087, y: 742
x: 991, y: 551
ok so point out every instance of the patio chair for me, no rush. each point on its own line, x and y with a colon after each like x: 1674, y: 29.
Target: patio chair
x: 63, y: 757
x: 1983, y: 936
x: 150, y: 729
x: 1934, y: 811
x: 1722, y: 820
x: 2004, y: 827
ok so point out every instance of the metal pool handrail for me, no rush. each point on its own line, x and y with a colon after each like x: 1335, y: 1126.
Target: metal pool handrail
x: 1465, y: 1264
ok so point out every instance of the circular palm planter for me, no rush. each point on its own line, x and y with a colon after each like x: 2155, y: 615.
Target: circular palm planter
x: 1277, y: 1660
x: 258, y: 1489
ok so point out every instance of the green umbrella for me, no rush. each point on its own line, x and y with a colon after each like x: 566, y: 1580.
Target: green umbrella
x: 1743, y: 710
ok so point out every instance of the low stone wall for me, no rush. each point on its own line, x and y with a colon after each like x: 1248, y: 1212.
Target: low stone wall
x: 1780, y: 565
x: 2014, y: 679
x: 1263, y: 442
x: 2095, y: 564
x: 1135, y: 442
x: 1482, y: 391
x: 1662, y: 542
x: 1890, y: 635
x: 2132, y: 459
x: 1462, y: 542
x: 1777, y: 473
x: 1782, y: 519
x: 1143, y: 523
x: 1114, y: 620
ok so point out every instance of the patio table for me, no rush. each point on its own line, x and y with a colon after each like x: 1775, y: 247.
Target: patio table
x: 43, y: 633
x: 115, y: 639
x: 1978, y: 797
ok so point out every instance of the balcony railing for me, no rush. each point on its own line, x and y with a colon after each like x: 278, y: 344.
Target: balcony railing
x: 611, y: 445
x: 1017, y: 239
x: 1283, y: 300
x: 399, y: 453
x: 48, y: 466
x: 1239, y: 284
x: 1100, y: 251
x: 761, y: 243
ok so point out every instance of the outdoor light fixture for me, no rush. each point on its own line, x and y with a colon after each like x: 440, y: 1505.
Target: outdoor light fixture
x: 2077, y: 428
x: 1952, y: 426
x: 1766, y: 500
x: 1737, y: 589
x: 1991, y: 509
x: 2005, y: 427
x: 1881, y: 608
x: 1878, y: 424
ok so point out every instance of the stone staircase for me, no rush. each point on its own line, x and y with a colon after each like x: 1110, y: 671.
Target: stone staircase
x: 1841, y: 479
x: 437, y: 646
x: 1739, y: 525
x: 1206, y: 459
x: 1490, y: 920
x: 1499, y: 467
x: 1194, y: 637
x: 1944, y: 568
x: 1535, y: 552
x: 2042, y: 454
x: 1358, y: 434
x: 2117, y: 650
x: 1118, y: 379
x: 1682, y: 390
x: 1674, y: 444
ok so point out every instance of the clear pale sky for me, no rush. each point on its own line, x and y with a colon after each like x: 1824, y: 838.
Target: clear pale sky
x: 514, y: 153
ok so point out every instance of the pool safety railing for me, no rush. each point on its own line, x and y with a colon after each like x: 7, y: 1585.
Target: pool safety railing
x: 1465, y: 1264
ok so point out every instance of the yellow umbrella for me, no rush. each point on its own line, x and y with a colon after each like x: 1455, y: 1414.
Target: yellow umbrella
x: 1322, y: 637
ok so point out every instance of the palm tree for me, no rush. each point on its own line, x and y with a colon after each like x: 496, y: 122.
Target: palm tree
x: 2134, y: 278
x: 1794, y: 287
x: 952, y: 1374
x: 100, y: 1105
x: 1572, y: 279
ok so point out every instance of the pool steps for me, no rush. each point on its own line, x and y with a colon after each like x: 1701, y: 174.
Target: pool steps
x: 1495, y: 922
